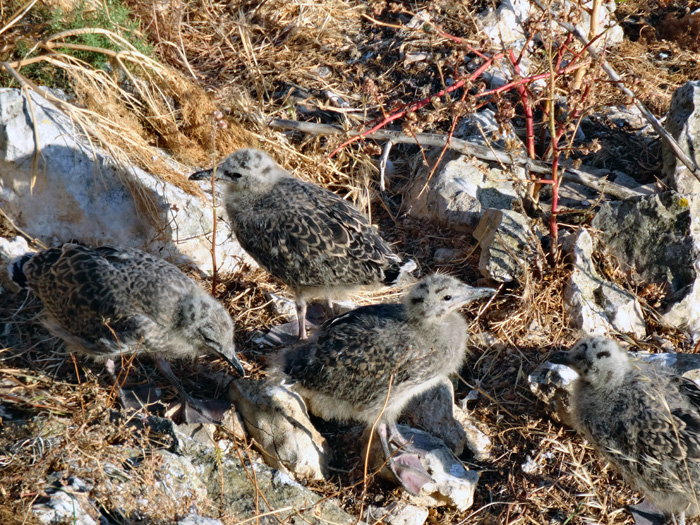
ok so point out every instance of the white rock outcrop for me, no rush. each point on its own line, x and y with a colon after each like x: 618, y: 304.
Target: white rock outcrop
x: 594, y: 304
x: 62, y: 188
x: 683, y: 123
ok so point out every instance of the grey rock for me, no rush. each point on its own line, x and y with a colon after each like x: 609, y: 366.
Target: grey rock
x: 397, y: 513
x: 10, y: 249
x: 276, y: 419
x: 507, y: 243
x: 459, y: 190
x: 445, y: 255
x: 178, y: 478
x: 477, y: 441
x: 182, y: 483
x: 230, y: 481
x: 433, y: 411
x: 553, y: 384
x: 452, y: 485
x: 80, y: 193
x: 282, y: 307
x: 482, y: 128
x: 67, y: 501
x: 201, y: 432
x: 629, y: 118
x: 64, y: 507
x: 683, y: 123
x: 686, y: 365
x: 659, y: 237
x: 594, y: 304
x: 571, y: 195
x: 612, y: 33
x: 504, y: 25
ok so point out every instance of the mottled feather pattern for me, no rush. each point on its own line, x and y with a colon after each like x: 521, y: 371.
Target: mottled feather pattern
x: 308, y: 236
x: 386, y: 353
x: 655, y: 442
x: 97, y: 297
x: 370, y: 344
x: 642, y: 418
x: 106, y: 301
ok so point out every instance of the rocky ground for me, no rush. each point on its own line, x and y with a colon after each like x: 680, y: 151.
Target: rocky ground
x: 233, y: 74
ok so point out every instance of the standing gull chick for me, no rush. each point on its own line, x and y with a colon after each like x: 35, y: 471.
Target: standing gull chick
x: 308, y: 237
x: 108, y: 301
x: 369, y: 363
x: 642, y: 418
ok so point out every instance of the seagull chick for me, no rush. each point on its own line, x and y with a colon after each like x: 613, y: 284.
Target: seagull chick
x: 369, y: 363
x: 642, y: 418
x: 108, y: 301
x: 306, y: 236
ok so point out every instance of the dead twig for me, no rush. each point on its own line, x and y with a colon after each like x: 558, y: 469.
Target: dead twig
x: 597, y: 181
x: 617, y: 80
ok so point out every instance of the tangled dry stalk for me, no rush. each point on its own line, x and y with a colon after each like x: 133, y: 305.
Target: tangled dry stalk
x: 355, y: 66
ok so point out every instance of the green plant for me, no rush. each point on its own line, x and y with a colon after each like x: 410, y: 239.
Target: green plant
x: 45, y: 23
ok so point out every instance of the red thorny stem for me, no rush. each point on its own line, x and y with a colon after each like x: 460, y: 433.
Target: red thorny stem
x: 533, y: 189
x: 527, y: 108
x: 424, y: 102
x: 417, y: 105
x: 553, y: 226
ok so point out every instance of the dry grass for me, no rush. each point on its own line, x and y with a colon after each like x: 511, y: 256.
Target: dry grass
x: 252, y: 61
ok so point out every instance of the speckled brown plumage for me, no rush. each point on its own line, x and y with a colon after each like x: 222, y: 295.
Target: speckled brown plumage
x: 642, y: 418
x: 107, y: 301
x: 308, y: 237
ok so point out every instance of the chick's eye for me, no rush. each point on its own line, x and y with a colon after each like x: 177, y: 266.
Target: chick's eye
x: 447, y: 298
x: 236, y: 175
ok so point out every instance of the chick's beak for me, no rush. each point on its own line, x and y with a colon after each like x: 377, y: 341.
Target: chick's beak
x: 201, y: 175
x: 234, y: 362
x: 471, y: 294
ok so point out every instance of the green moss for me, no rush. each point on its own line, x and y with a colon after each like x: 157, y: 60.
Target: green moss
x: 111, y: 15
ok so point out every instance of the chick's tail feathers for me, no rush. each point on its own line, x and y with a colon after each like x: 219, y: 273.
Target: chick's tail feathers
x: 395, y: 273
x: 16, y: 269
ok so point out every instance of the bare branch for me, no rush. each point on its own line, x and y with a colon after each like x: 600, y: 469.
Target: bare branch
x: 596, y: 181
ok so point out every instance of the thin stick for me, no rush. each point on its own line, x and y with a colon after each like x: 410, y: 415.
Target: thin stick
x: 18, y: 15
x: 617, y: 80
x: 595, y: 181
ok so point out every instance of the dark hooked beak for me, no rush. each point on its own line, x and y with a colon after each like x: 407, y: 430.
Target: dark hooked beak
x: 478, y: 293
x: 561, y: 358
x: 201, y: 175
x: 235, y: 363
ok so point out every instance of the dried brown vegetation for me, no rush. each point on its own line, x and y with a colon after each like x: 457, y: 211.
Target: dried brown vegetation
x: 251, y: 61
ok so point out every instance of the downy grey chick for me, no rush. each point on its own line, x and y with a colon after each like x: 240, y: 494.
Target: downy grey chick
x: 108, y: 301
x: 642, y: 418
x: 358, y: 359
x: 306, y: 236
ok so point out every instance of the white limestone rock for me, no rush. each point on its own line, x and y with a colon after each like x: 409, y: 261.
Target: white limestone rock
x: 508, y: 245
x: 683, y: 123
x: 397, y: 513
x: 79, y: 192
x: 459, y: 190
x: 595, y: 305
x: 276, y: 419
x: 452, y: 485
